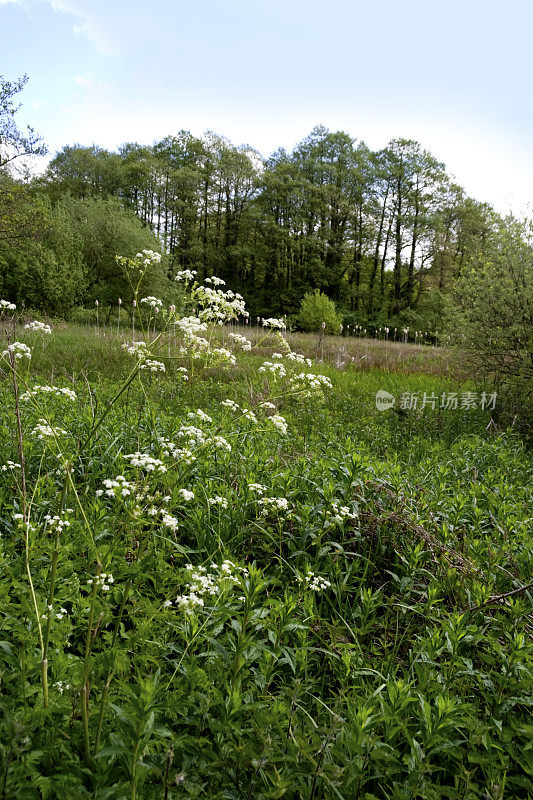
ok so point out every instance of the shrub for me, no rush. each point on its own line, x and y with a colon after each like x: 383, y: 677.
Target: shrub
x: 315, y: 309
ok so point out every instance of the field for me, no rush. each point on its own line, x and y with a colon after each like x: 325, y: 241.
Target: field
x: 249, y: 584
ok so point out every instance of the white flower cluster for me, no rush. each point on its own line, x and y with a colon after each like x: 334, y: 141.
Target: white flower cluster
x: 168, y: 448
x: 215, y: 281
x: 316, y: 583
x: 43, y: 429
x: 190, y: 326
x: 186, y: 275
x: 139, y: 349
x: 17, y: 350
x: 299, y: 358
x: 272, y: 322
x: 218, y: 306
x: 55, y: 523
x: 39, y: 327
x: 56, y: 391
x: 275, y: 369
x: 193, y: 435
x: 230, y: 404
x: 220, y: 355
x: 153, y: 366
x: 10, y: 465
x: 273, y: 504
x: 202, y: 584
x: 217, y: 501
x: 60, y: 686
x: 104, y: 580
x: 59, y: 614
x: 340, y: 513
x: 307, y: 384
x: 170, y: 522
x: 186, y: 494
x: 267, y: 406
x: 5, y: 305
x: 153, y: 302
x: 199, y: 415
x: 245, y: 343
x: 146, y: 462
x: 278, y: 422
x: 219, y: 443
x: 116, y: 487
x: 257, y: 488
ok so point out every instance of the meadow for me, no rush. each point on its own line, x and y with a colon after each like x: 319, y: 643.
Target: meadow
x: 226, y: 574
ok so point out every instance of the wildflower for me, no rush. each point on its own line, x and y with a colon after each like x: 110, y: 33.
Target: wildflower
x: 5, y: 305
x: 275, y: 369
x: 10, y: 465
x: 200, y: 415
x: 17, y: 350
x: 217, y: 501
x: 257, y: 488
x: 230, y: 404
x: 220, y: 443
x: 186, y: 275
x: 56, y: 523
x: 139, y: 349
x: 39, y: 327
x: 56, y: 391
x: 153, y: 366
x: 153, y: 302
x: 193, y: 434
x: 146, y: 462
x: 223, y: 354
x: 249, y: 414
x: 278, y: 422
x: 103, y: 580
x: 272, y: 504
x: 186, y: 494
x: 117, y: 487
x: 43, y: 429
x: 316, y: 583
x: 170, y: 522
x: 271, y: 322
x: 308, y: 384
x: 202, y: 584
x: 245, y: 343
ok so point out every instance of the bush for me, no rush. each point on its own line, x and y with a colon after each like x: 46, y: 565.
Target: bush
x: 492, y: 323
x: 315, y: 309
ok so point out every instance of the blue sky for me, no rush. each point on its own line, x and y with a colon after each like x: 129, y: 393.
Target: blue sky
x: 456, y: 76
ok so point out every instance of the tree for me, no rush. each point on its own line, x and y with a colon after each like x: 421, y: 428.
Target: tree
x: 13, y: 143
x: 492, y: 319
x: 105, y: 229
x: 318, y: 312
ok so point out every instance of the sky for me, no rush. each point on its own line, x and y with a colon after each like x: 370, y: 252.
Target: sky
x: 455, y: 75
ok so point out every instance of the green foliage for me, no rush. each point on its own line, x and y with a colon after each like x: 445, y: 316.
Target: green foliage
x: 492, y: 320
x: 105, y: 229
x: 316, y: 308
x: 48, y: 273
x: 354, y: 642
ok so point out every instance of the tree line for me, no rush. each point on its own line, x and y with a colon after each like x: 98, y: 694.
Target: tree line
x: 383, y: 233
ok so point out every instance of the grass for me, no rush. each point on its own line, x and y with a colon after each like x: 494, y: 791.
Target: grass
x: 370, y: 640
